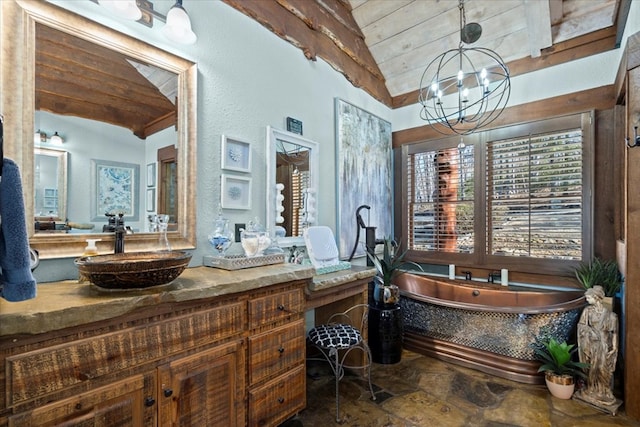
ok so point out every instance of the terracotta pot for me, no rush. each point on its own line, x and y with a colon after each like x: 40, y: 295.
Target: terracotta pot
x: 560, y: 386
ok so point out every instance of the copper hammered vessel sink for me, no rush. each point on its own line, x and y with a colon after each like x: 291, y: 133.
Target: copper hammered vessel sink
x: 133, y: 270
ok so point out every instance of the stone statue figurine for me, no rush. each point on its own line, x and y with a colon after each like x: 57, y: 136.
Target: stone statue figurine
x: 598, y: 346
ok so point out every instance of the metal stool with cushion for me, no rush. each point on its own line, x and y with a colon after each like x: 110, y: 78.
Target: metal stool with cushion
x: 337, y: 339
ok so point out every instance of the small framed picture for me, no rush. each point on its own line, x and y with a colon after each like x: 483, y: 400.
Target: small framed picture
x: 236, y: 154
x: 50, y: 192
x: 151, y: 199
x: 151, y: 175
x: 235, y: 192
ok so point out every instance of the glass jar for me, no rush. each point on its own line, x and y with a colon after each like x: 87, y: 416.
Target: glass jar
x: 222, y: 237
x: 255, y: 239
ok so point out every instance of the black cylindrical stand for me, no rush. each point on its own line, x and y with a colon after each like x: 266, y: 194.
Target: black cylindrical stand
x: 385, y: 333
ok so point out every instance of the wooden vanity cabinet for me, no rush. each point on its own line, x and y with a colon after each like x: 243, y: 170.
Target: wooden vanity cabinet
x: 277, y: 387
x: 233, y: 360
x: 205, y: 389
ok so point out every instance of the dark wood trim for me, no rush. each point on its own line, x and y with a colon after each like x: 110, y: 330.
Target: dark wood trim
x: 632, y: 236
x: 601, y: 98
x: 604, y: 186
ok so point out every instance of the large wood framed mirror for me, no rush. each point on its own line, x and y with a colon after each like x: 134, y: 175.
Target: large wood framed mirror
x: 22, y: 91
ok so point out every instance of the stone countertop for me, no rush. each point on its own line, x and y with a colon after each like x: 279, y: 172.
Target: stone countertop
x: 329, y: 280
x: 68, y: 303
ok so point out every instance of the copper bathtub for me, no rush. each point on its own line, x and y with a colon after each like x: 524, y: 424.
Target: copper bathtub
x: 490, y: 328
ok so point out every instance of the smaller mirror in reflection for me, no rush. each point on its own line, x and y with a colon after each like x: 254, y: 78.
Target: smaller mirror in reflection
x: 50, y: 189
x: 292, y: 171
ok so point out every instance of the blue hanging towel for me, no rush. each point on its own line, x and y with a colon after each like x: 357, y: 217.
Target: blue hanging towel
x: 16, y: 280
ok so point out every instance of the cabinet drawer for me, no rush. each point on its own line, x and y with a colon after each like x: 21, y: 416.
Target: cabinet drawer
x: 41, y: 372
x: 279, y: 399
x: 275, y: 307
x: 274, y: 351
x: 123, y: 403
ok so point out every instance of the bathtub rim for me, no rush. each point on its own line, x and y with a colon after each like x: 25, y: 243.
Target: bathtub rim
x: 566, y: 305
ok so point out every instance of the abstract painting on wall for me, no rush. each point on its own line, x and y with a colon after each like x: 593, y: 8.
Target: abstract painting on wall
x: 364, y: 176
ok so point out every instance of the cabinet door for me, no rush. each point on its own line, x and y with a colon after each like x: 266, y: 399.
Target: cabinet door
x: 129, y: 402
x: 204, y: 389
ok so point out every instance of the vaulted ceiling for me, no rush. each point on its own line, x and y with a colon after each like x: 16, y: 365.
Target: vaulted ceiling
x: 404, y: 35
x: 383, y: 46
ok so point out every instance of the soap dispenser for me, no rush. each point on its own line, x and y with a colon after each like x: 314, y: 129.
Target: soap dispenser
x: 91, y: 249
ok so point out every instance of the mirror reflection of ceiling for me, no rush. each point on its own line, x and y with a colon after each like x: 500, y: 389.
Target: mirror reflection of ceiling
x: 79, y: 78
x: 292, y: 154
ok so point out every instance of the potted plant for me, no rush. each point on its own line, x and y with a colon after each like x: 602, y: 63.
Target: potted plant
x: 559, y: 367
x: 388, y: 267
x: 600, y: 272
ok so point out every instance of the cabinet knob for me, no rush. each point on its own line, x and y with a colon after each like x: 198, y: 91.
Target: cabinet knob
x: 281, y: 400
x: 281, y: 307
x: 167, y: 392
x: 281, y: 350
x: 149, y: 401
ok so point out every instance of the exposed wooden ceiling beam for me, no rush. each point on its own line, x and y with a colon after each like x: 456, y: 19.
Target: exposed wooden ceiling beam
x: 317, y: 31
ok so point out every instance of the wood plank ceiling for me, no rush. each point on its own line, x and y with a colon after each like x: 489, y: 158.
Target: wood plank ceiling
x: 79, y: 78
x: 383, y: 46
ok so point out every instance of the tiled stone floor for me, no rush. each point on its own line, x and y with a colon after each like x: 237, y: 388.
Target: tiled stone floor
x: 421, y: 391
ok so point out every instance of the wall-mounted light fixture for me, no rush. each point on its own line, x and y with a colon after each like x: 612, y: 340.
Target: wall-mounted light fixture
x: 126, y: 9
x: 177, y: 23
x: 41, y: 138
x: 636, y: 138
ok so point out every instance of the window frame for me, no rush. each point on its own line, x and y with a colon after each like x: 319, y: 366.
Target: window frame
x: 480, y: 257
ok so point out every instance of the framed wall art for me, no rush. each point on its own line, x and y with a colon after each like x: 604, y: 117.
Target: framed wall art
x: 235, y: 192
x: 114, y: 189
x: 236, y: 154
x: 362, y: 179
x: 151, y: 199
x: 151, y: 175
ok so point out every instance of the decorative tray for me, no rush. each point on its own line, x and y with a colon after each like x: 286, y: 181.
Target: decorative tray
x: 237, y: 262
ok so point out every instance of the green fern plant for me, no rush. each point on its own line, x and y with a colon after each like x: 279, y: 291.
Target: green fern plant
x: 557, y: 358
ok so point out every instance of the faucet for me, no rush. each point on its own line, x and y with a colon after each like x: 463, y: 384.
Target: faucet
x: 467, y: 275
x: 493, y: 276
x: 119, y: 243
x: 120, y: 230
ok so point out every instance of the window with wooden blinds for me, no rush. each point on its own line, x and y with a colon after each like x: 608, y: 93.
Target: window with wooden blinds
x: 534, y: 196
x: 441, y: 194
x: 517, y: 197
